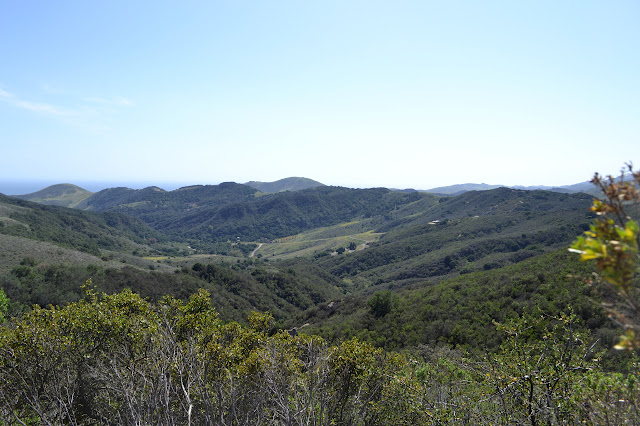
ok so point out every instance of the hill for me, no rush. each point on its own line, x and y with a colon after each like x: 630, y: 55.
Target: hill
x: 87, y: 232
x: 159, y: 208
x: 286, y: 184
x: 403, y: 239
x: 48, y: 252
x: 216, y: 213
x: 64, y: 194
x: 283, y: 214
x: 478, y: 230
x: 421, y: 240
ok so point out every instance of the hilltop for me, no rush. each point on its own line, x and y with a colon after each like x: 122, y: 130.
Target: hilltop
x: 63, y: 194
x: 286, y: 184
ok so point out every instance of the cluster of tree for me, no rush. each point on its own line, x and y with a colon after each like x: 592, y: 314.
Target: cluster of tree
x: 284, y: 290
x: 118, y: 359
x: 461, y: 311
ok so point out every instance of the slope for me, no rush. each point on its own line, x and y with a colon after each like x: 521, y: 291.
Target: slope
x: 88, y: 232
x: 478, y: 230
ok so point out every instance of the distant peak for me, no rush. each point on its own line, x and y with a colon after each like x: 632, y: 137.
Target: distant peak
x: 155, y: 188
x: 286, y: 184
x: 61, y: 194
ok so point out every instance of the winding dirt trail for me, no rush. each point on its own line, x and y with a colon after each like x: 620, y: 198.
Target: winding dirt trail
x: 256, y: 249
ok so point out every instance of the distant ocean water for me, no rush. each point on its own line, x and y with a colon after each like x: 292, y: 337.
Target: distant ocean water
x: 8, y: 187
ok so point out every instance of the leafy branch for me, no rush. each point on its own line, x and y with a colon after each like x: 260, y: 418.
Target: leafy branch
x: 612, y: 242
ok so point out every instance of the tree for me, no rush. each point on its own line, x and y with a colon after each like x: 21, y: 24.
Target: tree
x: 612, y: 242
x: 4, y: 305
x: 381, y: 303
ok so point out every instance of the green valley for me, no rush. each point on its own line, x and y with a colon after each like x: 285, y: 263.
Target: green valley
x: 422, y: 278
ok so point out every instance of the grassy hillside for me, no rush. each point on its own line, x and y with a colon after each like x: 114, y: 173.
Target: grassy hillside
x: 64, y: 194
x: 322, y: 241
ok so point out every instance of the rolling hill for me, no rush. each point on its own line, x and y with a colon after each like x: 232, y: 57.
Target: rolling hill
x: 48, y: 252
x: 287, y: 213
x: 406, y: 240
x: 215, y: 213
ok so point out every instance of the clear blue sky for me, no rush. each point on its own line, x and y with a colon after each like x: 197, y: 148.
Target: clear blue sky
x: 356, y: 93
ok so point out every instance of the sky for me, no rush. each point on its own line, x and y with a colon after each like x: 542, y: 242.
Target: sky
x: 400, y: 94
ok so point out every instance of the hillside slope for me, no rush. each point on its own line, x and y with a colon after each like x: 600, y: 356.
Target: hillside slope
x: 88, y: 232
x: 474, y: 231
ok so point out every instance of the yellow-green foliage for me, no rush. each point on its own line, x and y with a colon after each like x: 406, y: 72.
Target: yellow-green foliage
x: 118, y: 359
x: 612, y: 242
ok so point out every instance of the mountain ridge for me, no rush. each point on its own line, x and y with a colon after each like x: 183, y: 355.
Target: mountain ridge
x: 457, y: 189
x: 70, y: 195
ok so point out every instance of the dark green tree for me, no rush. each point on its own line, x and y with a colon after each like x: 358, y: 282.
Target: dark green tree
x: 382, y: 302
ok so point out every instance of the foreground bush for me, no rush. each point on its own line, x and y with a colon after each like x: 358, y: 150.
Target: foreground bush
x: 118, y: 359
